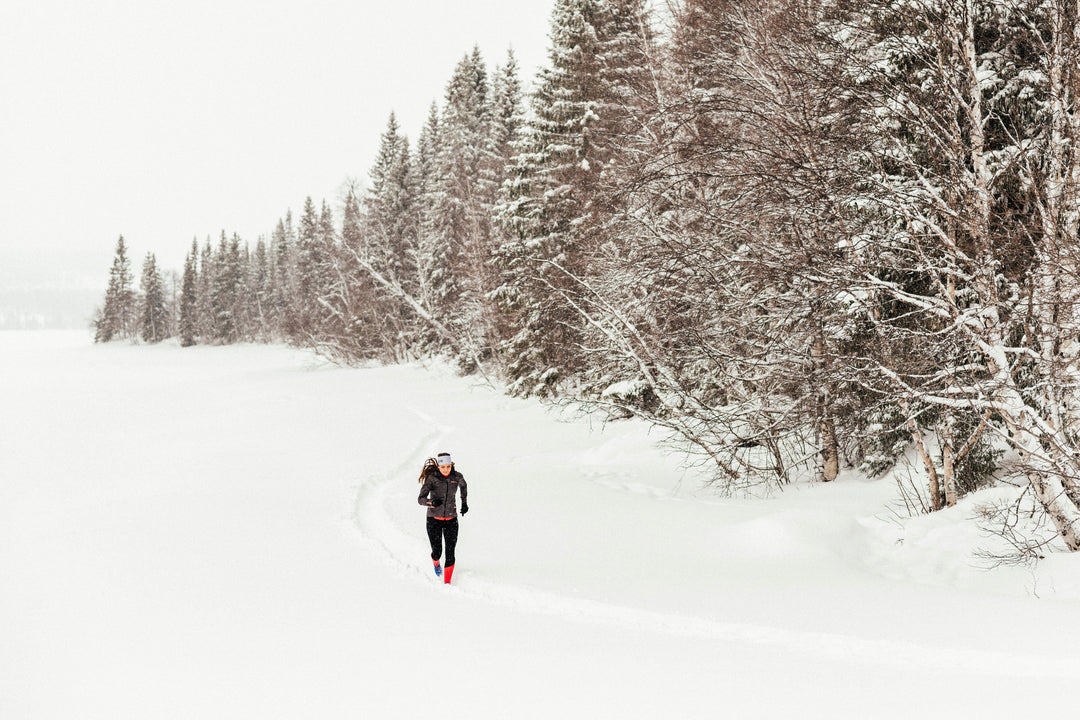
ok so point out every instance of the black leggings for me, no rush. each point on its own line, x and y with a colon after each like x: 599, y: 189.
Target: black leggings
x: 436, y: 531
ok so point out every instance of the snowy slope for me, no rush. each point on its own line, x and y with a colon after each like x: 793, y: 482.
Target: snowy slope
x: 233, y: 533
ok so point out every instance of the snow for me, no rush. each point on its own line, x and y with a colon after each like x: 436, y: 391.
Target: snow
x: 232, y: 532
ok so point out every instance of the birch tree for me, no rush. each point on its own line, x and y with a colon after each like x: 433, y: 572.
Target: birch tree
x: 952, y: 105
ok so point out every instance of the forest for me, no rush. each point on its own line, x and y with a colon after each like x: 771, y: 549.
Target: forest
x: 797, y: 235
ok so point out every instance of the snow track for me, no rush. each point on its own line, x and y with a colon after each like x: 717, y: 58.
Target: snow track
x: 375, y: 524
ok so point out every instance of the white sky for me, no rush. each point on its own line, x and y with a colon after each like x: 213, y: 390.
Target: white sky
x: 166, y: 121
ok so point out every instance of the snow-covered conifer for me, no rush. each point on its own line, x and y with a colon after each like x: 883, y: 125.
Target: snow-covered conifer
x: 153, y: 316
x: 581, y: 104
x: 117, y: 317
x: 188, y: 320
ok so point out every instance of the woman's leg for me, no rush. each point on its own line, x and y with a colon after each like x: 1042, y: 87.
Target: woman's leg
x: 435, y: 533
x: 450, y: 531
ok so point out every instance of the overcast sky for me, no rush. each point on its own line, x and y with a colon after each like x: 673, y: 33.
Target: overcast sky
x: 167, y: 121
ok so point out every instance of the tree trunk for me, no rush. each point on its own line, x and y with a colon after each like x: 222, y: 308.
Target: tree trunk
x: 830, y: 453
x: 949, y: 476
x: 1047, y: 466
x: 928, y: 462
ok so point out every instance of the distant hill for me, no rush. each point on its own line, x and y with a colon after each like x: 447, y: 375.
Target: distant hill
x: 47, y: 308
x: 50, y: 288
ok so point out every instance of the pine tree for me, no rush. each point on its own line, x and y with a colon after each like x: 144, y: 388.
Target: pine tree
x: 352, y: 220
x: 583, y: 102
x: 466, y: 183
x: 188, y: 324
x: 308, y: 262
x: 390, y: 208
x: 261, y: 292
x: 507, y: 113
x: 154, y: 321
x: 283, y: 311
x: 352, y: 303
x: 117, y: 317
x: 245, y: 303
x: 433, y: 271
x: 225, y: 293
x: 390, y: 236
x: 507, y: 121
x: 206, y: 328
x: 325, y: 263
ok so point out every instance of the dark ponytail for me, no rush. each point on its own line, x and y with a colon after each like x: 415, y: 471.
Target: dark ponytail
x: 429, y: 465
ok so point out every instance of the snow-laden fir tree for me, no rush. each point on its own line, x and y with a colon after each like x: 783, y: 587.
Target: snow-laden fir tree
x: 326, y: 251
x: 282, y: 309
x: 466, y: 180
x: 315, y: 242
x: 705, y: 298
x: 259, y: 290
x: 117, y: 317
x: 350, y: 300
x: 226, y: 298
x: 507, y: 112
x: 390, y: 237
x: 206, y: 322
x: 580, y: 108
x: 153, y: 315
x: 188, y: 320
x: 507, y: 120
x: 433, y: 272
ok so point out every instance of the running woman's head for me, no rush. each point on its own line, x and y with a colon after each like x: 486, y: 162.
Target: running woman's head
x: 446, y: 465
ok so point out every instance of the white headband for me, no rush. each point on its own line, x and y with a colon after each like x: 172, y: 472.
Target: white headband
x: 444, y: 460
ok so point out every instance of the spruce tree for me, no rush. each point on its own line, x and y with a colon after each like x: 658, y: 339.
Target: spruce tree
x: 507, y: 120
x: 353, y: 320
x: 245, y: 302
x: 465, y: 188
x: 117, y: 317
x: 154, y: 321
x: 583, y: 102
x: 307, y: 269
x: 468, y: 171
x: 390, y: 205
x: 325, y: 259
x: 390, y: 237
x: 432, y: 270
x: 188, y: 324
x: 225, y: 294
x: 205, y: 324
x: 283, y: 251
x: 352, y: 220
x: 260, y: 292
x: 507, y: 112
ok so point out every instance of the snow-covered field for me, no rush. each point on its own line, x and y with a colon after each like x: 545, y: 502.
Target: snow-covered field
x: 233, y: 533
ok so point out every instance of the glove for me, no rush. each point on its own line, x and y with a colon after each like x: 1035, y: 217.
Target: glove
x: 464, y: 508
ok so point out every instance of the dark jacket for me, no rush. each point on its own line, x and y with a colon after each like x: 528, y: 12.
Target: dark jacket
x: 441, y: 492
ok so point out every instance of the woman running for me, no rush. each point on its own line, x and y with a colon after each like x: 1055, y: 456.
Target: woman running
x: 441, y: 483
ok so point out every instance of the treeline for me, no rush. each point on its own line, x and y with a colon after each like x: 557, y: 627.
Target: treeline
x: 800, y: 234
